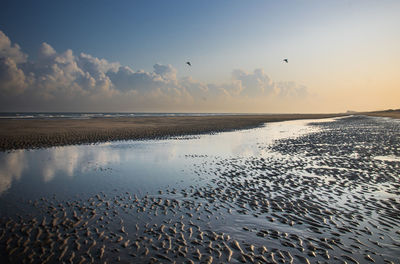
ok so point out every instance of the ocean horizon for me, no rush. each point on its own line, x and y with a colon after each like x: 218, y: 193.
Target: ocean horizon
x: 89, y: 115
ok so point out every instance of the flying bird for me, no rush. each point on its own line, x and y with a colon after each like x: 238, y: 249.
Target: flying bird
x: 188, y: 63
x: 286, y: 60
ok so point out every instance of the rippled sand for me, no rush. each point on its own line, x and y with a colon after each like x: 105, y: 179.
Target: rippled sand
x: 318, y: 198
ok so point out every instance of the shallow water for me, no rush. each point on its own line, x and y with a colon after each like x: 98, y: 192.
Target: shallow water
x: 139, y: 166
x: 326, y: 190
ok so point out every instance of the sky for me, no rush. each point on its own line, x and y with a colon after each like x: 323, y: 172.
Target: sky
x: 130, y: 56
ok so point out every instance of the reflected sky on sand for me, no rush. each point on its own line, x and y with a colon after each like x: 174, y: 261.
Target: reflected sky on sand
x: 141, y: 166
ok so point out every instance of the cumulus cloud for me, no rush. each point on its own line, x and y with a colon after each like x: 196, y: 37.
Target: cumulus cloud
x: 253, y: 84
x: 258, y: 83
x: 64, y: 81
x: 46, y: 51
x: 12, y: 79
x: 167, y: 72
x: 12, y: 52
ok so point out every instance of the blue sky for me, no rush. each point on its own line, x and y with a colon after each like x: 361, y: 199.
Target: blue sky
x: 218, y: 37
x: 141, y: 33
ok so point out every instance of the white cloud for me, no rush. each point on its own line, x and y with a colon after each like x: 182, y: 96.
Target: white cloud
x: 12, y: 52
x: 166, y: 72
x: 253, y: 84
x: 12, y: 79
x: 67, y: 82
x: 46, y: 51
x: 260, y: 84
x: 96, y: 66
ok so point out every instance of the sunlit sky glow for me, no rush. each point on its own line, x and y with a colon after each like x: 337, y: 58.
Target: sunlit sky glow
x: 130, y: 56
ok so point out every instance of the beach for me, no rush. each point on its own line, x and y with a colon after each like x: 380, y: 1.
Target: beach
x: 199, y: 132
x: 39, y: 133
x: 299, y: 191
x: 386, y: 113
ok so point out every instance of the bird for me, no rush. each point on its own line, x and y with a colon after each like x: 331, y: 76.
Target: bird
x: 286, y: 60
x: 188, y: 63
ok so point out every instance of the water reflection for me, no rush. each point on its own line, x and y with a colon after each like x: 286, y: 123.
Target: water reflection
x: 12, y: 166
x: 73, y: 159
x: 144, y: 164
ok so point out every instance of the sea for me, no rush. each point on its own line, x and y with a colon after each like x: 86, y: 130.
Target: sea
x: 89, y: 115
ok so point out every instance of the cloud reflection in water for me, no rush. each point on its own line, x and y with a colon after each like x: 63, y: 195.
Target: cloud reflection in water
x: 11, y: 168
x: 143, y: 164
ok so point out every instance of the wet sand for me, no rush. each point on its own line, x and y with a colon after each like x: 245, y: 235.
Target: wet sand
x: 39, y: 133
x: 324, y: 199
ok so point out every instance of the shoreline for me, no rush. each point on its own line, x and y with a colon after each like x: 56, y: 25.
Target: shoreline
x: 38, y: 133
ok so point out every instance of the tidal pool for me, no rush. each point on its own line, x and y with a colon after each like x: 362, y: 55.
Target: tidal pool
x: 294, y: 191
x: 138, y: 166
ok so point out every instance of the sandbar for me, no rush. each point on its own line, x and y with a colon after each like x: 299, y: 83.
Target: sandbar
x: 42, y: 133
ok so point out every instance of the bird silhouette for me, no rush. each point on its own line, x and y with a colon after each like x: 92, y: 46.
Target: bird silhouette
x: 188, y: 63
x: 286, y: 60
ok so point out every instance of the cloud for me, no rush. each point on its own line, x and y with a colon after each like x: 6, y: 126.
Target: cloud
x: 64, y: 81
x: 46, y: 51
x: 12, y: 52
x: 12, y: 78
x: 166, y: 72
x: 253, y: 84
x: 259, y: 84
x: 291, y: 89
